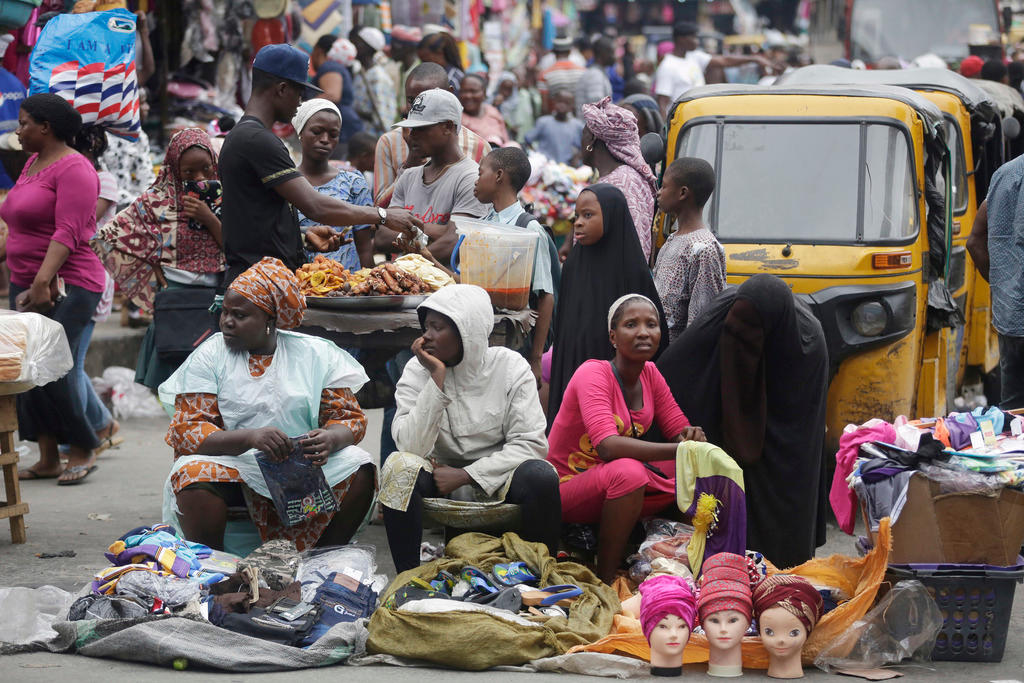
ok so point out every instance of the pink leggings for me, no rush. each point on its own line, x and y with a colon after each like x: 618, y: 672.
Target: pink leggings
x: 584, y: 495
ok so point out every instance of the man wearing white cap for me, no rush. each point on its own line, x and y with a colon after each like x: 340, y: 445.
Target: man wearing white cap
x: 443, y: 188
x: 374, y: 89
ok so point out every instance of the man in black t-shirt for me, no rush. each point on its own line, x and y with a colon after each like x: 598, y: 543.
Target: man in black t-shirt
x: 262, y: 187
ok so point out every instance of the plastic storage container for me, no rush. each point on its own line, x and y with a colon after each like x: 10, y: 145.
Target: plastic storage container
x: 975, y: 601
x: 498, y: 258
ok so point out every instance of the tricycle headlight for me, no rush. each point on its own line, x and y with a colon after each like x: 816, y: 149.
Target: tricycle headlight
x: 870, y: 319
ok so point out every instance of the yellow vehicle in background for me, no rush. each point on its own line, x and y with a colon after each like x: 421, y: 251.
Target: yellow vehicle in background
x: 974, y: 116
x: 842, y: 191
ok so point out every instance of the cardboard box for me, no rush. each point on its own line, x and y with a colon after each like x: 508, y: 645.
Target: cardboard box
x: 961, y: 528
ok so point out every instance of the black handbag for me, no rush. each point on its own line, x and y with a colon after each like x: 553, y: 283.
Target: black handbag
x: 182, y: 321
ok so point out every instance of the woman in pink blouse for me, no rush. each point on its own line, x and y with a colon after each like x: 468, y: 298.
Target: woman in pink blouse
x: 607, y: 474
x: 51, y: 215
x: 483, y: 119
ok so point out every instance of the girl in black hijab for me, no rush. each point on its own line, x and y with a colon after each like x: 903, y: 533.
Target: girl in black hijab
x: 605, y: 263
x: 753, y: 371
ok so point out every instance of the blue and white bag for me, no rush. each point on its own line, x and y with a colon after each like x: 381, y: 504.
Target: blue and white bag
x: 89, y: 60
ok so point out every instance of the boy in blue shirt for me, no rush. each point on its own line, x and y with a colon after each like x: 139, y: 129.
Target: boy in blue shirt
x: 503, y: 173
x: 557, y: 135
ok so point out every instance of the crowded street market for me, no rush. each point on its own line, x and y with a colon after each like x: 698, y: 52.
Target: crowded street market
x: 616, y: 338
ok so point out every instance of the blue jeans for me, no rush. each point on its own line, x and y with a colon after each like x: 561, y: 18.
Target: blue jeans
x: 1011, y: 372
x: 95, y: 410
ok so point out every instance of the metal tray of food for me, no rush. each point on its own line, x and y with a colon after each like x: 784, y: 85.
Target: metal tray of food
x: 366, y: 303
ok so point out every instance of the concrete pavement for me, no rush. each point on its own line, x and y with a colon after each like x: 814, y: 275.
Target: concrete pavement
x: 126, y: 492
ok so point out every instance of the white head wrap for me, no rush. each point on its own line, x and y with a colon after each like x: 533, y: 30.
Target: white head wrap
x: 306, y: 110
x: 623, y: 299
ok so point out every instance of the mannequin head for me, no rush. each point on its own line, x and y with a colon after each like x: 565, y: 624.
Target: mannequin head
x: 787, y: 608
x: 668, y: 610
x: 725, y: 609
x: 783, y: 635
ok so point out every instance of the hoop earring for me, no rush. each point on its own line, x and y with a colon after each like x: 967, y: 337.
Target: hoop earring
x: 590, y: 148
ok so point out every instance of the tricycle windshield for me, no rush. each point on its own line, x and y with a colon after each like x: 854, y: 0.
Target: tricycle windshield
x: 911, y: 28
x: 807, y: 182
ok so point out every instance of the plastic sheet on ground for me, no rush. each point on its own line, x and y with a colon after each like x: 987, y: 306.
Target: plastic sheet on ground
x: 857, y: 577
x: 28, y: 614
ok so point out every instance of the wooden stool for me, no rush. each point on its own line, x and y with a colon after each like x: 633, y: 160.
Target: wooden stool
x: 13, y: 508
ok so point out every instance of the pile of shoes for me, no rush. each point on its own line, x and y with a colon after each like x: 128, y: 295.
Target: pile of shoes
x: 512, y: 587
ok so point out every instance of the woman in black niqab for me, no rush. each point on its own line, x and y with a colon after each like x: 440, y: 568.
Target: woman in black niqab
x: 753, y: 371
x: 593, y: 277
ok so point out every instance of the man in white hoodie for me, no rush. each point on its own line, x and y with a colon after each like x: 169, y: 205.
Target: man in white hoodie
x: 468, y: 415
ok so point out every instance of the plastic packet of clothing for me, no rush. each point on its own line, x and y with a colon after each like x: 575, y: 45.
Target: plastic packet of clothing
x: 108, y: 607
x: 903, y: 625
x: 666, y: 538
x: 277, y: 560
x: 959, y: 480
x: 33, y: 351
x: 354, y: 560
x: 145, y: 586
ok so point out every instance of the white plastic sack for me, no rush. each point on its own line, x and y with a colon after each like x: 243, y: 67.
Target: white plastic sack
x: 33, y: 351
x: 127, y: 398
x: 29, y: 612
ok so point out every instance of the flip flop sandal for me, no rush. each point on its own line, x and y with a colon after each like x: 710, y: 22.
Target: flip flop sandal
x: 510, y: 599
x: 513, y: 573
x: 552, y: 595
x: 87, y: 469
x: 411, y: 592
x: 109, y: 442
x: 443, y: 582
x: 477, y: 580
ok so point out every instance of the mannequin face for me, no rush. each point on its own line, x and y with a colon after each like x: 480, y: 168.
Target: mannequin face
x: 668, y: 640
x: 725, y: 629
x: 783, y: 634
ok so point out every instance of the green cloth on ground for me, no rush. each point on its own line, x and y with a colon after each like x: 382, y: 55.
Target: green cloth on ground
x: 475, y: 640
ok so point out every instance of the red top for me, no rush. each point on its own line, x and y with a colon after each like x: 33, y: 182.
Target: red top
x: 593, y: 409
x: 36, y: 213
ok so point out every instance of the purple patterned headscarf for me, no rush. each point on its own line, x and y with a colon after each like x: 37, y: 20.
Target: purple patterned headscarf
x: 616, y: 128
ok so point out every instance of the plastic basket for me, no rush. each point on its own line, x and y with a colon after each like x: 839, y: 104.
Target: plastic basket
x: 16, y: 13
x: 975, y: 602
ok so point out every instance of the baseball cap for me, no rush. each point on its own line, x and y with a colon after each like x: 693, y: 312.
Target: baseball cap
x: 431, y: 107
x: 685, y: 28
x: 971, y: 66
x: 373, y: 37
x: 287, y: 62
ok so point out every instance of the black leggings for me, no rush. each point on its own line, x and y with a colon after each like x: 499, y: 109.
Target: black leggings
x: 534, y: 488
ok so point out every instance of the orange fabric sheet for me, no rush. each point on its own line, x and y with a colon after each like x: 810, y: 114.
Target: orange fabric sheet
x: 857, y: 577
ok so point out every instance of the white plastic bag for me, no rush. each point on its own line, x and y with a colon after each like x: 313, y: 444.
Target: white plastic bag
x: 29, y: 612
x: 33, y: 351
x: 127, y: 398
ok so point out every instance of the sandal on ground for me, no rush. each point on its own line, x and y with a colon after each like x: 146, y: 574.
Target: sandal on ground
x: 510, y: 599
x: 29, y: 474
x: 80, y: 472
x: 513, y: 573
x: 108, y: 442
x: 552, y: 595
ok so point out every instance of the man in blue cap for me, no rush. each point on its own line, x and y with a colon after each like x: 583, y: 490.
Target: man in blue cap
x: 262, y: 186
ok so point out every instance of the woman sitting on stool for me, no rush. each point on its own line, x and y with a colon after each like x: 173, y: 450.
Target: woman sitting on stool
x: 467, y: 414
x: 608, y: 475
x: 253, y: 388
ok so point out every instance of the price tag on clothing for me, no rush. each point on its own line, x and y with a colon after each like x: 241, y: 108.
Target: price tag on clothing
x: 977, y: 440
x: 1017, y: 426
x: 988, y: 431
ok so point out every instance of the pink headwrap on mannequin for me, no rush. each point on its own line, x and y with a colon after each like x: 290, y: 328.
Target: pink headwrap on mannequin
x: 664, y: 595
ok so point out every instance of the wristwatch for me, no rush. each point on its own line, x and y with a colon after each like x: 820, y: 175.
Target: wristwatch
x: 383, y: 213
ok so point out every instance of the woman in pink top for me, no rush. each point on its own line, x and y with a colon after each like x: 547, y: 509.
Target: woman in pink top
x: 607, y: 474
x: 483, y: 119
x: 51, y: 215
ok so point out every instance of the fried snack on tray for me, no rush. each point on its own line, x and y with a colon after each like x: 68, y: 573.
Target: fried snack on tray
x: 322, y: 277
x: 388, y: 280
x: 424, y: 270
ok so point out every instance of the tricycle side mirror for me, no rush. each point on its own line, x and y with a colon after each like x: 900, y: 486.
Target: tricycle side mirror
x: 652, y: 147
